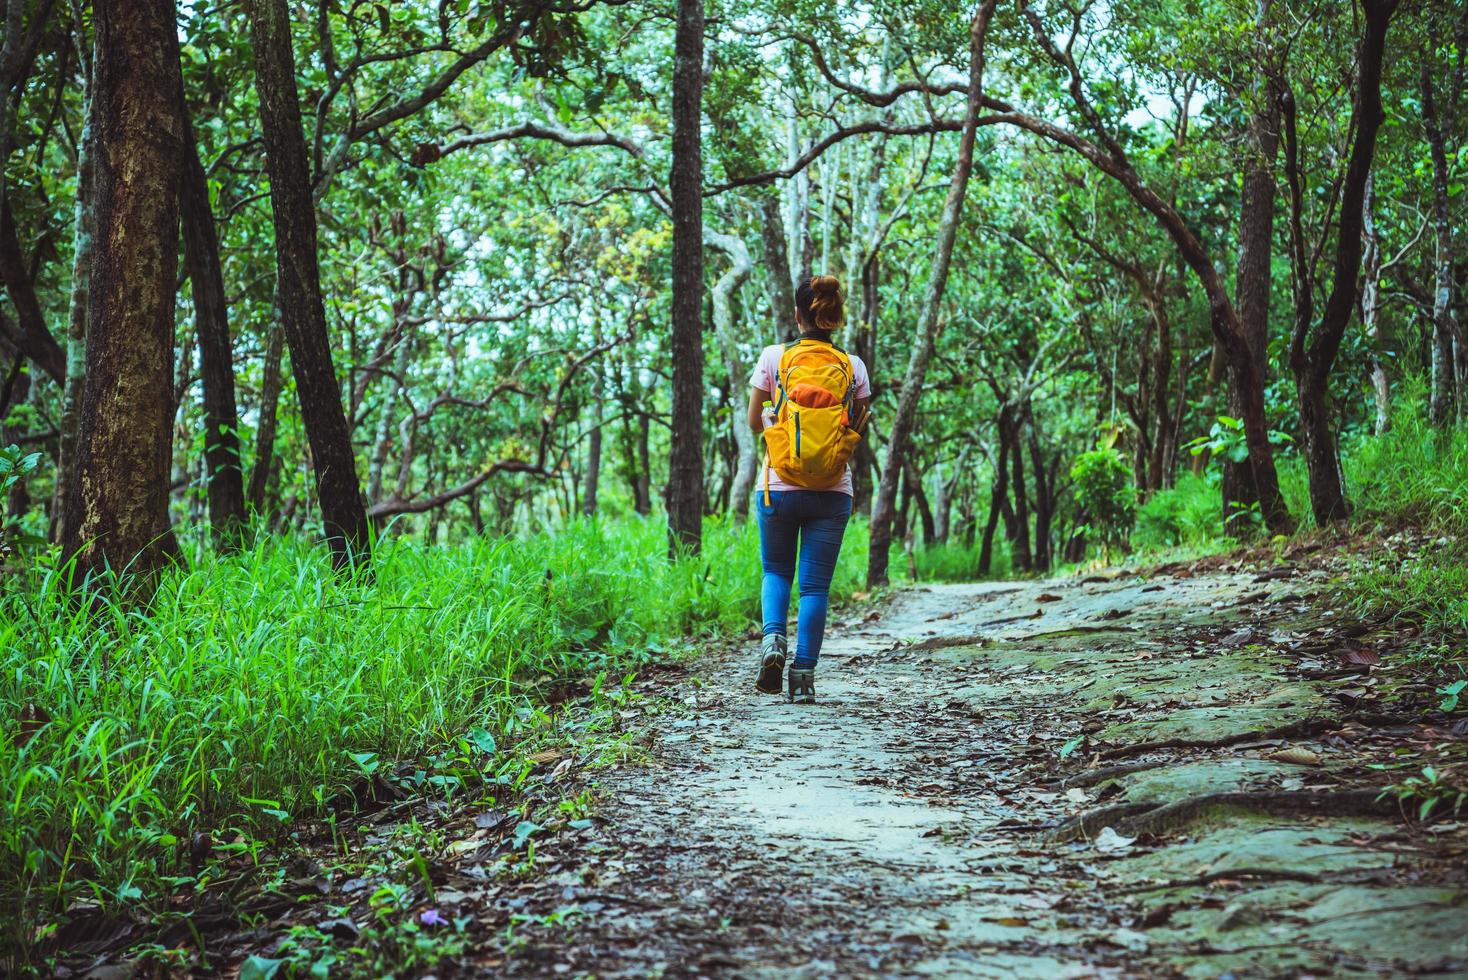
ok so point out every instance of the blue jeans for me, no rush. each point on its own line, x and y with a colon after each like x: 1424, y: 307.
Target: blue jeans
x: 818, y: 519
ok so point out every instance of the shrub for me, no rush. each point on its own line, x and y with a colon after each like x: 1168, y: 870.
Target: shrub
x: 1104, y: 493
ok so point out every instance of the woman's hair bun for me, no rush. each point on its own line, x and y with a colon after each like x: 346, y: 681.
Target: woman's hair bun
x: 821, y: 303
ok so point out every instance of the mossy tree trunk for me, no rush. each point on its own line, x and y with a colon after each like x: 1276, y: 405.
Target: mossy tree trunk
x: 117, y: 511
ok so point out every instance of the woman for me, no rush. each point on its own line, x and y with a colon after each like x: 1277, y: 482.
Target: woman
x: 802, y: 508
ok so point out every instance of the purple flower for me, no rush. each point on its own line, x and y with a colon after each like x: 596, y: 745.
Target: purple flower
x: 431, y: 917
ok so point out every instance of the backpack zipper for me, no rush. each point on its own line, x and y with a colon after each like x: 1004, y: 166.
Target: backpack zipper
x: 797, y: 435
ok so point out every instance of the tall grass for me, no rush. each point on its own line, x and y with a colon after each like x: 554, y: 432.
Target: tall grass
x: 245, y: 696
x: 1414, y: 475
x: 955, y: 561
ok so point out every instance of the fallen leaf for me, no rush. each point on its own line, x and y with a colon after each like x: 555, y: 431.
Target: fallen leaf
x: 549, y: 755
x: 1295, y: 755
x: 490, y: 819
x: 1047, y: 597
x: 1363, y: 656
x: 1076, y: 795
x: 1110, y: 842
x: 1007, y: 920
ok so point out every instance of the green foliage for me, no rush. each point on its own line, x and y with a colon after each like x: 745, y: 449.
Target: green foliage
x: 1414, y: 475
x: 1432, y: 791
x: 256, y: 690
x: 1185, y: 515
x: 1411, y: 474
x: 1104, y: 493
x: 1451, y: 693
x: 15, y: 466
x: 954, y: 561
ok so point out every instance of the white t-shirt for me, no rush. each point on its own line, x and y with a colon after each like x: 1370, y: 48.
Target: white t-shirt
x: 763, y: 378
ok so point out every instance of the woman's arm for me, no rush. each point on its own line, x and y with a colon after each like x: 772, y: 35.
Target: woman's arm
x: 757, y: 399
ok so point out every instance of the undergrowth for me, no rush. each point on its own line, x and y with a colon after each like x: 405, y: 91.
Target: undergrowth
x: 255, y: 689
x: 1414, y: 476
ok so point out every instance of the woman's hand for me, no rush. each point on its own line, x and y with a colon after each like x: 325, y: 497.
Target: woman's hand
x: 757, y: 399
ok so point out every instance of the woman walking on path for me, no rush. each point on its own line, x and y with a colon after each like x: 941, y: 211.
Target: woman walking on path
x: 809, y: 401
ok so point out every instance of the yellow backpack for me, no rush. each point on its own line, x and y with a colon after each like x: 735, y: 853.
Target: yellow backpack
x: 812, y: 438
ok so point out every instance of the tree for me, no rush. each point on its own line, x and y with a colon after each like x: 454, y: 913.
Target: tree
x: 302, y: 309
x: 1112, y: 159
x: 1438, y: 114
x: 117, y: 512
x: 1313, y: 348
x: 211, y: 316
x: 1252, y: 284
x: 928, y: 325
x: 685, y: 469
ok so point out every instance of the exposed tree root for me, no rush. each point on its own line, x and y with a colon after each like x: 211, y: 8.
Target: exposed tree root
x: 1136, y: 819
x: 1295, y: 729
x: 944, y: 642
x: 1089, y: 824
x: 1268, y: 874
x: 1090, y: 777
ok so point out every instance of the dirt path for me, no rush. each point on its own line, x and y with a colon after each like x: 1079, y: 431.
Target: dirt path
x: 906, y: 824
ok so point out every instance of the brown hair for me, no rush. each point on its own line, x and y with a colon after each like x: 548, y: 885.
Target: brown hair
x: 820, y: 301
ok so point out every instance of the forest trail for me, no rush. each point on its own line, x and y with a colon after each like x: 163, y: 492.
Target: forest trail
x: 905, y: 825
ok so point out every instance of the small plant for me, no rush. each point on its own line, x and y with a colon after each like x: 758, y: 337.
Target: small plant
x: 15, y: 466
x: 1433, y: 789
x: 1450, y: 693
x: 1104, y: 491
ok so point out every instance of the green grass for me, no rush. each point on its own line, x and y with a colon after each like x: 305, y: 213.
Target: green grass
x: 1184, y: 516
x: 953, y: 561
x: 1414, y: 476
x: 253, y: 691
x: 1411, y: 476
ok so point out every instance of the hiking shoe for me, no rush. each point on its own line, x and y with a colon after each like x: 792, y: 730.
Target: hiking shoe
x: 802, y: 686
x: 772, y: 664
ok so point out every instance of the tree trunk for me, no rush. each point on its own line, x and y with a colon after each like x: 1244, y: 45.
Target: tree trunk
x: 925, y: 510
x: 589, y: 497
x: 1313, y: 353
x: 343, y: 513
x: 226, y: 486
x: 76, y: 320
x: 267, y: 410
x: 864, y: 464
x: 1020, y: 493
x: 1438, y: 124
x: 1371, y: 310
x: 782, y: 292
x: 1044, y: 502
x: 998, y: 493
x: 382, y: 437
x: 33, y: 339
x: 904, y: 506
x: 685, y: 468
x: 642, y: 491
x: 928, y: 326
x: 943, y: 502
x: 745, y: 467
x: 117, y: 511
x: 16, y: 389
x: 1160, y: 473
x: 1240, y: 489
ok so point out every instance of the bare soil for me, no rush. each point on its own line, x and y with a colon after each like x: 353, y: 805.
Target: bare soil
x: 920, y: 820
